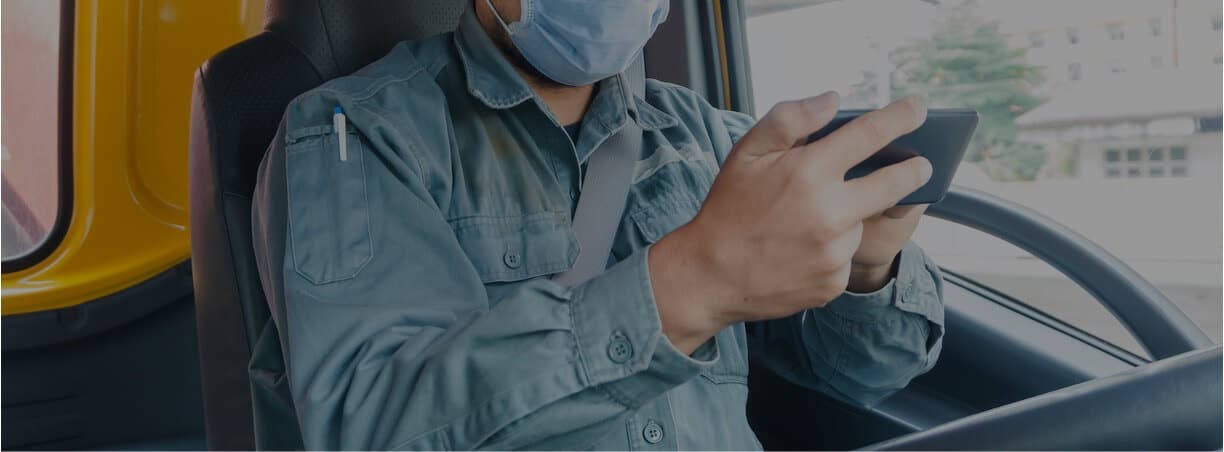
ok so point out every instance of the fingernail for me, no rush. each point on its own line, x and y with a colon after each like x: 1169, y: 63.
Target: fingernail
x: 925, y: 170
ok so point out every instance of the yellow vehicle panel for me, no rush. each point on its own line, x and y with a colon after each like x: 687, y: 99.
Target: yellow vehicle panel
x: 133, y: 67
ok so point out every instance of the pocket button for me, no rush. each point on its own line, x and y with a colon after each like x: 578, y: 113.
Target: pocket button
x: 511, y: 259
x: 620, y: 350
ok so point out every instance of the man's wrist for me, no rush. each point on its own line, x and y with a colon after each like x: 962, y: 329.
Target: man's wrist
x: 686, y: 296
x: 870, y: 278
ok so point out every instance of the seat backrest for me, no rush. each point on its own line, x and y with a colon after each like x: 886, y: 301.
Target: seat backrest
x: 237, y: 103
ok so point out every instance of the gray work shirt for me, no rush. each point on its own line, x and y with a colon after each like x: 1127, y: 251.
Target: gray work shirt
x: 410, y: 281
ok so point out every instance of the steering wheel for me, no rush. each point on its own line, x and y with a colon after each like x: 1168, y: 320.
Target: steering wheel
x: 1171, y: 403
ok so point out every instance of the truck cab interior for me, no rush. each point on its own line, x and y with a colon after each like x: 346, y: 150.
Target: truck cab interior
x: 175, y: 350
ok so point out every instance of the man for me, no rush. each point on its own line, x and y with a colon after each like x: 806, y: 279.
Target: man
x: 408, y: 266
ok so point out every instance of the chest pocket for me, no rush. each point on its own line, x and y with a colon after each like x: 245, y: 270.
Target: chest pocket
x: 329, y: 218
x: 514, y: 248
x: 656, y: 219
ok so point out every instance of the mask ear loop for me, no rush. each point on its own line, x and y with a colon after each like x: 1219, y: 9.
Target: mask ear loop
x: 497, y: 15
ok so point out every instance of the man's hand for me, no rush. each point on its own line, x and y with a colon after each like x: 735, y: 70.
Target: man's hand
x: 780, y: 228
x: 884, y: 236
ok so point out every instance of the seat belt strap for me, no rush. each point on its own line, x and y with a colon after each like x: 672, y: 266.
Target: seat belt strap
x: 605, y: 187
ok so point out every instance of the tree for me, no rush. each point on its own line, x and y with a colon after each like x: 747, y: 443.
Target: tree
x: 966, y: 62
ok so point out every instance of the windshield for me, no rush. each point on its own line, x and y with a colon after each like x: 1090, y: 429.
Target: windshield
x: 1103, y: 114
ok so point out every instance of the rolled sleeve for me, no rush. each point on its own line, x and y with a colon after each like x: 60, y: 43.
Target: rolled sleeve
x: 916, y: 289
x: 862, y: 348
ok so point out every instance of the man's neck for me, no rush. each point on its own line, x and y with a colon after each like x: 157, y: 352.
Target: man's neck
x: 567, y: 103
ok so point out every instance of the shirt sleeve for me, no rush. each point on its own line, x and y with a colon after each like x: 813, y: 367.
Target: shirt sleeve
x: 859, y: 348
x: 397, y: 344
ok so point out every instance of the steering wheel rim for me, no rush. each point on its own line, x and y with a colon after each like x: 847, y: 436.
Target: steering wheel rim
x: 1155, y: 322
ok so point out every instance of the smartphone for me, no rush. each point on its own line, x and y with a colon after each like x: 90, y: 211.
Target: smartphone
x: 942, y: 139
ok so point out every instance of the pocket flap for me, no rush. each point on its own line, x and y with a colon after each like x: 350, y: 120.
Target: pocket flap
x: 504, y: 249
x: 665, y: 215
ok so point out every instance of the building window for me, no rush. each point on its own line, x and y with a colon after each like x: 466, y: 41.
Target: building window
x: 1036, y: 40
x: 1210, y: 124
x: 1074, y: 71
x: 1157, y: 61
x: 1155, y: 162
x: 1217, y: 23
x: 1155, y: 26
x: 1073, y: 36
x: 1117, y: 31
x: 1156, y: 154
x: 1117, y: 66
x: 1218, y: 59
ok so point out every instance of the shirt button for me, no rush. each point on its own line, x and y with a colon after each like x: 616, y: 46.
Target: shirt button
x: 511, y: 259
x: 653, y: 432
x: 620, y: 349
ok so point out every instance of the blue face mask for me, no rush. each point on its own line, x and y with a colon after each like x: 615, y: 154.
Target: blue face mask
x: 580, y: 42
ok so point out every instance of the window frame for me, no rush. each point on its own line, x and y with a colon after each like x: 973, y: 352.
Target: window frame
x: 63, y: 214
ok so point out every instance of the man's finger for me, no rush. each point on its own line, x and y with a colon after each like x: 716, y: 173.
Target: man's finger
x: 867, y: 134
x: 788, y: 123
x: 900, y: 212
x: 882, y: 189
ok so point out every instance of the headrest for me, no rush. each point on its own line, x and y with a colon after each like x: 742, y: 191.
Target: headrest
x: 341, y: 36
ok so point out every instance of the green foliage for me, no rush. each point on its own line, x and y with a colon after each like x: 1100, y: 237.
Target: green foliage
x: 966, y: 62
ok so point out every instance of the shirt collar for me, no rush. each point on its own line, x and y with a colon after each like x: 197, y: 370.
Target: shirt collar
x: 495, y: 82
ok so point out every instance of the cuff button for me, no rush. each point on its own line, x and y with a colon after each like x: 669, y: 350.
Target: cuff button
x: 653, y: 432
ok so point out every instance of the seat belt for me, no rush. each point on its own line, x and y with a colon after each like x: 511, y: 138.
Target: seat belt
x: 605, y: 187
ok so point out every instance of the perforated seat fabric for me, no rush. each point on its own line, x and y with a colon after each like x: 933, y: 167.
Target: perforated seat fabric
x: 237, y: 103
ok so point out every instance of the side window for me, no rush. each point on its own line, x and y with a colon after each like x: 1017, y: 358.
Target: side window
x: 1014, y: 272
x: 32, y: 133
x: 1130, y: 159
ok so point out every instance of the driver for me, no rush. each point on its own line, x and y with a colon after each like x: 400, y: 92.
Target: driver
x: 409, y: 219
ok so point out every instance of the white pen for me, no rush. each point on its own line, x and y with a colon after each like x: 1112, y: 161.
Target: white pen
x: 340, y: 124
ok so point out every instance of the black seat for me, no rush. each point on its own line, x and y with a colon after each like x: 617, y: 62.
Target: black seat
x: 237, y: 103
